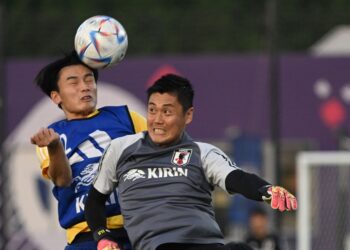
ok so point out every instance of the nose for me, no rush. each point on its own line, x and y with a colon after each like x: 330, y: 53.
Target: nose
x: 85, y: 86
x: 158, y: 118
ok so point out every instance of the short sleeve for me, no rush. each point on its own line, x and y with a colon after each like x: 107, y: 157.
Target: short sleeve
x: 216, y: 164
x: 106, y: 180
x: 43, y: 156
x: 138, y: 121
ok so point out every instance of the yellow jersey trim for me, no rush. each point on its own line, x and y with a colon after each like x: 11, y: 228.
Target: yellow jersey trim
x: 93, y: 113
x: 139, y: 122
x: 113, y: 222
x: 43, y: 155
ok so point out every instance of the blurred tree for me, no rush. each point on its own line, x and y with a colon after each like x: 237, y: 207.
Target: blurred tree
x: 303, y: 22
x: 37, y: 28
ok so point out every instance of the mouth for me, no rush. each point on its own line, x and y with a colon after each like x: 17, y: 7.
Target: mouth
x: 86, y: 98
x: 158, y: 131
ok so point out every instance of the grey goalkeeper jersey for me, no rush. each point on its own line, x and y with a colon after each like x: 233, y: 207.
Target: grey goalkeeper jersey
x: 165, y: 193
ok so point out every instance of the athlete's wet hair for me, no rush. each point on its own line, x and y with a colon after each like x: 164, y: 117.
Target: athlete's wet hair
x: 47, y: 78
x: 174, y: 84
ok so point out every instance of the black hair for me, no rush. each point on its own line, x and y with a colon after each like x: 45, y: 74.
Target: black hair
x: 174, y: 84
x: 47, y: 77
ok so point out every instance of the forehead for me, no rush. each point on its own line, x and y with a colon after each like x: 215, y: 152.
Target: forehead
x: 73, y: 70
x: 163, y: 99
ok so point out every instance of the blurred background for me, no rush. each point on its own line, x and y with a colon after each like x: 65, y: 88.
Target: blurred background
x: 271, y: 77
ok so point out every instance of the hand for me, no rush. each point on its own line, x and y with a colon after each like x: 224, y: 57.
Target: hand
x: 45, y: 137
x: 106, y: 244
x: 279, y: 198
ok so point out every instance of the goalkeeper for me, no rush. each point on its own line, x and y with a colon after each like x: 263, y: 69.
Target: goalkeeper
x: 165, y: 180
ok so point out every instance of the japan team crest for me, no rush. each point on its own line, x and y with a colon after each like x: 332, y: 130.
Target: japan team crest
x: 181, y: 156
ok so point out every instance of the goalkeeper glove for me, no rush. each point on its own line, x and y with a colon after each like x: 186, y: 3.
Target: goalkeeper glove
x: 279, y: 198
x: 105, y: 240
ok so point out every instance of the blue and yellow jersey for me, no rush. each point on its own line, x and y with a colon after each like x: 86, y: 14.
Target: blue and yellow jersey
x: 84, y: 141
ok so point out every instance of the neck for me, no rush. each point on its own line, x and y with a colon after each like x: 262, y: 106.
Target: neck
x: 81, y: 115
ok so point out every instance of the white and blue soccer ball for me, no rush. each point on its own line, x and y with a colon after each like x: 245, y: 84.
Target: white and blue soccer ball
x: 101, y: 41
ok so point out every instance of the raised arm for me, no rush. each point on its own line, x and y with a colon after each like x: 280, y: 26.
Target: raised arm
x: 59, y: 170
x: 222, y: 172
x: 95, y: 208
x: 255, y: 188
x: 95, y: 215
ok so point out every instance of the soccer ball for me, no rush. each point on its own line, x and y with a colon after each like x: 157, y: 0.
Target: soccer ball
x: 101, y: 41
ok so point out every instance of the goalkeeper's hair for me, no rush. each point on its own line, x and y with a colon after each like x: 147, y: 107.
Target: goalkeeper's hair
x: 174, y: 84
x: 47, y: 77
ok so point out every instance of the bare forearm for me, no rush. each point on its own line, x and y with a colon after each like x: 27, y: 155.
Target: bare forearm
x: 59, y: 170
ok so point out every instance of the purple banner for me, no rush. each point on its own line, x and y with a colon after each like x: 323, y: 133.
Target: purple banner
x: 230, y: 91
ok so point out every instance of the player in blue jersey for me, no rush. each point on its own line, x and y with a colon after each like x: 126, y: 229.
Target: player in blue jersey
x: 165, y: 180
x: 70, y: 149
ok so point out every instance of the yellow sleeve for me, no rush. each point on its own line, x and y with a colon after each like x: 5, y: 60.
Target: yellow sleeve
x: 139, y: 121
x: 43, y: 155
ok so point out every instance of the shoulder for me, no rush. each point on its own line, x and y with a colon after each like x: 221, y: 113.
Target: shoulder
x: 122, y: 146
x: 57, y: 123
x: 206, y: 148
x: 210, y: 153
x: 136, y: 115
x: 123, y: 142
x: 122, y: 112
x: 113, y: 108
x: 139, y: 122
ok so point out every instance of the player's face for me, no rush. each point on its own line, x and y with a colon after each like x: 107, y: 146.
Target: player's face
x: 77, y: 93
x: 166, y: 119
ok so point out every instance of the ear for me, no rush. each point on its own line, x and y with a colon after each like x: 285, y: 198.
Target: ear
x: 55, y: 97
x: 189, y: 115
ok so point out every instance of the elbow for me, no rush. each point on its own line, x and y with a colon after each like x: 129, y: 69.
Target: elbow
x: 62, y: 181
x: 61, y: 178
